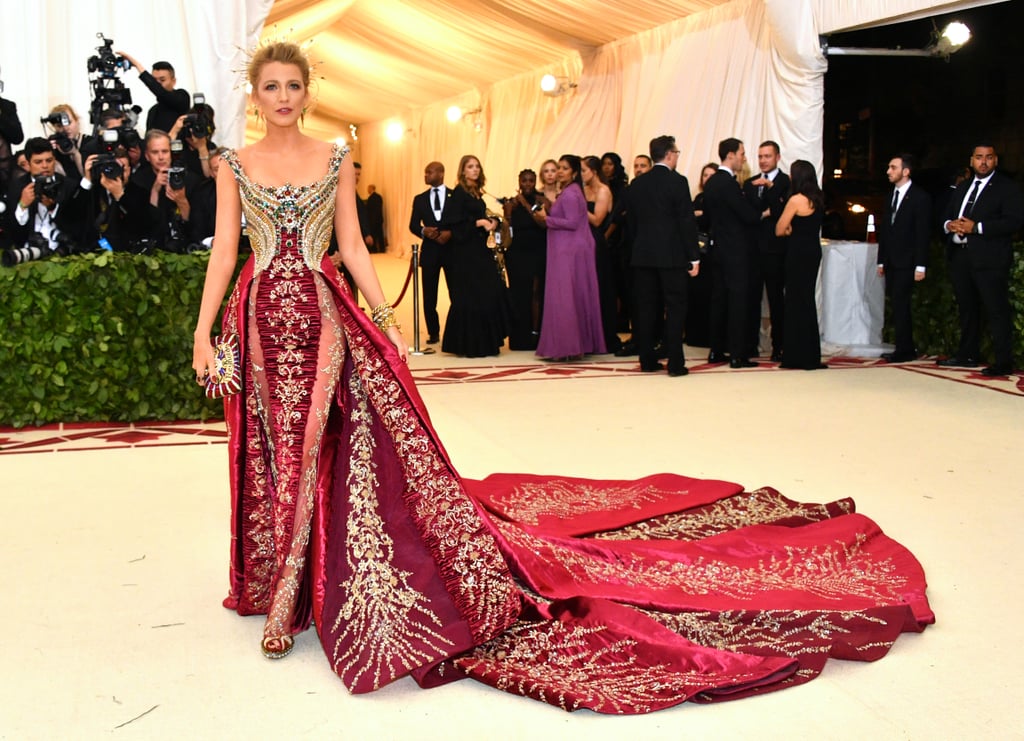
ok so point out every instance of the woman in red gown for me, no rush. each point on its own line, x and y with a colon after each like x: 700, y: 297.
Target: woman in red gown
x: 618, y: 596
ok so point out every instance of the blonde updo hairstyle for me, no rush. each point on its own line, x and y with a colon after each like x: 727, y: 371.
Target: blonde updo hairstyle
x: 284, y: 52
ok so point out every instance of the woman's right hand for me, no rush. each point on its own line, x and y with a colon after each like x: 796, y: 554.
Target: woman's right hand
x: 204, y: 360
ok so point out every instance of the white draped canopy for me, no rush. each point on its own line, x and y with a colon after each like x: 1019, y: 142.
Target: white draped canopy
x: 700, y: 70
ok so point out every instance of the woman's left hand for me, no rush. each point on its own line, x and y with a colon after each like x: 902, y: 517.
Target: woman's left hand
x: 395, y: 335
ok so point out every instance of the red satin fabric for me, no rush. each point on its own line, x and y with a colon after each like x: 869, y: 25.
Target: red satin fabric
x: 617, y: 596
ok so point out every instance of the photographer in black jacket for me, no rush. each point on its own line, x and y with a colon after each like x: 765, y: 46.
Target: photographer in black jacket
x: 97, y: 215
x: 10, y: 135
x: 34, y: 203
x: 163, y: 187
x: 170, y: 102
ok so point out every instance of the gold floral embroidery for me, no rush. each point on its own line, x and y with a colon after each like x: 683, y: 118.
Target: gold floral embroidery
x: 760, y: 507
x: 834, y: 571
x: 465, y: 553
x: 529, y: 502
x: 543, y: 660
x: 383, y: 617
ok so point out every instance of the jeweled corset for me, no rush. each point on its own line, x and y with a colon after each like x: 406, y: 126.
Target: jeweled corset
x: 303, y: 212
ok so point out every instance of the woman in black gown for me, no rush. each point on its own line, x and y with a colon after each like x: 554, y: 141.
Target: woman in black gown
x: 477, y: 322
x: 801, y: 222
x: 525, y: 262
x: 698, y: 293
x: 599, y: 204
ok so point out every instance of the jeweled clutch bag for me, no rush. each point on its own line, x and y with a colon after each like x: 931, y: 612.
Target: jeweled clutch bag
x: 227, y: 379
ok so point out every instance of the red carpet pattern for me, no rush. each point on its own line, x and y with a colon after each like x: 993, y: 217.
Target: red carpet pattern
x: 80, y: 436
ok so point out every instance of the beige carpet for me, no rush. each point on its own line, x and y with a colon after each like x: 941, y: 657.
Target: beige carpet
x: 112, y: 625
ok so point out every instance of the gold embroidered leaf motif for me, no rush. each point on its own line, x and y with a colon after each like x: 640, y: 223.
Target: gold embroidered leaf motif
x: 386, y: 628
x: 760, y: 507
x: 838, y: 571
x: 541, y: 660
x: 529, y: 502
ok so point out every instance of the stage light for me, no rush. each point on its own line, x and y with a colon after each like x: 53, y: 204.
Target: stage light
x: 394, y: 131
x: 454, y: 113
x: 950, y: 40
x: 554, y: 86
x: 953, y: 36
x: 340, y: 141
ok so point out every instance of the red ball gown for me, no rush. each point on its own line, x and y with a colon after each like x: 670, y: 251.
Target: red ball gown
x: 618, y: 596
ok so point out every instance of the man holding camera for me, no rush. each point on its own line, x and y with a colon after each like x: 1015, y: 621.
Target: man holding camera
x: 37, y: 197
x: 170, y: 102
x: 97, y: 211
x: 158, y: 194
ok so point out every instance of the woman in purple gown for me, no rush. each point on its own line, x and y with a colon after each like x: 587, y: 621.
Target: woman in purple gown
x: 571, y: 326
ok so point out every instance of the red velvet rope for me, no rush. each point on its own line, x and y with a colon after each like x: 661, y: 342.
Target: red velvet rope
x: 408, y: 278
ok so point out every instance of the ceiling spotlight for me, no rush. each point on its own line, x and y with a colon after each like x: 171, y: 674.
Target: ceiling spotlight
x: 953, y: 36
x: 352, y: 131
x: 394, y: 131
x: 454, y: 113
x: 340, y: 141
x: 951, y: 39
x: 555, y: 86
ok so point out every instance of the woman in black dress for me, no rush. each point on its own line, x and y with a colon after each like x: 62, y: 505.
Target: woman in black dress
x: 698, y: 293
x: 801, y: 222
x: 477, y: 322
x: 525, y: 262
x: 599, y: 205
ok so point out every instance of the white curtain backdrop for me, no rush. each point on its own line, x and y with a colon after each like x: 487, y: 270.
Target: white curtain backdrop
x: 44, y: 46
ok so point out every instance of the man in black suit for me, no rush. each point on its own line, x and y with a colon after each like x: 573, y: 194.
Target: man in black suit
x: 663, y: 233
x: 769, y: 191
x: 731, y: 217
x: 984, y: 213
x: 10, y: 134
x: 903, y: 250
x: 428, y: 223
x: 171, y: 102
x: 33, y: 213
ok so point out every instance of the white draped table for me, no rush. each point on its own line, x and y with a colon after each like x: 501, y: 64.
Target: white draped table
x: 851, y: 298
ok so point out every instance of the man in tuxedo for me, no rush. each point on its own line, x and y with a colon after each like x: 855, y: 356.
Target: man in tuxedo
x: 984, y: 213
x: 903, y: 250
x: 429, y: 223
x: 731, y: 217
x: 663, y: 233
x: 769, y: 192
x: 11, y: 134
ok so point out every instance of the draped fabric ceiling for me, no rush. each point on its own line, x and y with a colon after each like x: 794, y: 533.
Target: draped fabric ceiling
x: 698, y: 69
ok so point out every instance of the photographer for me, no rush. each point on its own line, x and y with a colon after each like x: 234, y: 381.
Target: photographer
x: 195, y: 129
x: 112, y: 119
x: 162, y: 186
x: 69, y: 143
x: 170, y: 103
x: 10, y: 135
x: 97, y: 216
x: 37, y: 197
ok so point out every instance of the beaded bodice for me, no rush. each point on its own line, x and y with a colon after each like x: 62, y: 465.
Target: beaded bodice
x: 276, y: 215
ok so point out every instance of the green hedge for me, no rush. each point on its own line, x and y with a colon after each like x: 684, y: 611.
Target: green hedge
x: 108, y: 337
x: 101, y: 337
x: 936, y: 325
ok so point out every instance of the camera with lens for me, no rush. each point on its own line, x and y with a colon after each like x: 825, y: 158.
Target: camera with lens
x: 35, y: 248
x: 60, y: 139
x: 48, y: 186
x: 65, y: 245
x: 105, y: 62
x: 176, y: 172
x: 198, y: 124
x: 127, y: 136
x: 105, y: 163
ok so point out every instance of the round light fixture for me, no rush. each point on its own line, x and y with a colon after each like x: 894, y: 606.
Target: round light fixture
x: 394, y: 131
x: 454, y: 113
x: 548, y: 83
